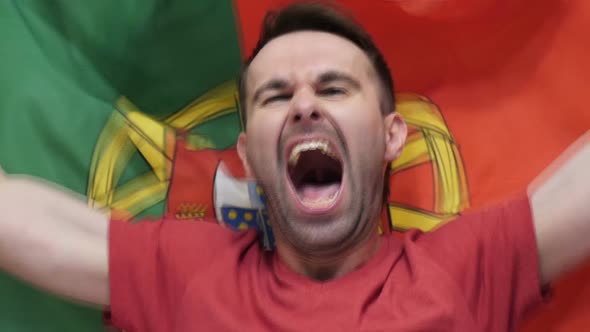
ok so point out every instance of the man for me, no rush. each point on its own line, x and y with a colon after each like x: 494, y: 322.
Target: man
x: 320, y: 132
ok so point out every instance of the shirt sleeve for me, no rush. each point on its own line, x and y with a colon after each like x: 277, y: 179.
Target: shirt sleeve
x: 151, y: 263
x: 492, y: 254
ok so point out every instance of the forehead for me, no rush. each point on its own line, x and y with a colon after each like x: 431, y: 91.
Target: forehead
x: 303, y: 55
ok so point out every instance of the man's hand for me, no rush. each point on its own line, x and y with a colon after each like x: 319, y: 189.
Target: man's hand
x: 560, y: 201
x: 52, y: 239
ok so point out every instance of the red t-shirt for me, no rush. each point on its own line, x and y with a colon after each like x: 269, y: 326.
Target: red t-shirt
x: 477, y: 273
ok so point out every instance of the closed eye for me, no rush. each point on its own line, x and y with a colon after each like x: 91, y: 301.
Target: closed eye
x: 331, y: 92
x: 276, y: 98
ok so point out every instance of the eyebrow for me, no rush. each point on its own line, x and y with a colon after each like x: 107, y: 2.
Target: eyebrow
x: 335, y: 76
x: 273, y: 84
x: 327, y: 77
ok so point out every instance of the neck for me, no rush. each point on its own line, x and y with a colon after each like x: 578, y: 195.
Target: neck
x: 332, y: 265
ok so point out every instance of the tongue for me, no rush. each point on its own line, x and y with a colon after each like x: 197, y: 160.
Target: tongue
x: 313, y: 193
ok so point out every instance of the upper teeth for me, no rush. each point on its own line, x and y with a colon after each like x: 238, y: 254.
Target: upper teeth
x: 321, y: 145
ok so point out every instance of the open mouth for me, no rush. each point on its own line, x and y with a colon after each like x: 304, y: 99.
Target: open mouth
x: 315, y: 170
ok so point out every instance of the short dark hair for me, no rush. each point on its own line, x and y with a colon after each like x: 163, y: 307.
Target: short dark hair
x: 312, y: 16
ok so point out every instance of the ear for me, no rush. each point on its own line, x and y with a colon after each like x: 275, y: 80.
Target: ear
x: 241, y: 147
x: 396, y: 131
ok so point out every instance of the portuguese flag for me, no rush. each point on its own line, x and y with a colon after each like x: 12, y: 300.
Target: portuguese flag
x: 134, y: 104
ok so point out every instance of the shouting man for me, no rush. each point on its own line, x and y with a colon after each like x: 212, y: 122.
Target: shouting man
x: 321, y: 130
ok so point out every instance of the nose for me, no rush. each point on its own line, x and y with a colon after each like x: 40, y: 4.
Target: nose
x: 304, y: 108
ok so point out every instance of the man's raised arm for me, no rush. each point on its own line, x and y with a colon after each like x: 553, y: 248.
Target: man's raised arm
x: 560, y: 201
x: 53, y: 240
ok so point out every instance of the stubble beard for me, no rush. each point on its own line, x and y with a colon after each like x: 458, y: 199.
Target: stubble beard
x: 327, y: 236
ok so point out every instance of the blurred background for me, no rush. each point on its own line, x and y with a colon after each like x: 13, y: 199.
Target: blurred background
x: 133, y: 104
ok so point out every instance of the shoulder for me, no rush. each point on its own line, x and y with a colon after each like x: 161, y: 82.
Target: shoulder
x: 178, y: 240
x: 511, y: 216
x: 492, y: 235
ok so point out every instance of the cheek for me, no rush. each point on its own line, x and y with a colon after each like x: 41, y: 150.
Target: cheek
x: 365, y: 137
x: 364, y: 125
x: 262, y: 132
x: 267, y: 121
x: 261, y: 126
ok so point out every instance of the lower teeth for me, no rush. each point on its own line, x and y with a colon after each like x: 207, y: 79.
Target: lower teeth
x: 321, y: 201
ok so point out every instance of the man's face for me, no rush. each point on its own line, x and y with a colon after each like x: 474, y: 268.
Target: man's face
x: 316, y: 139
